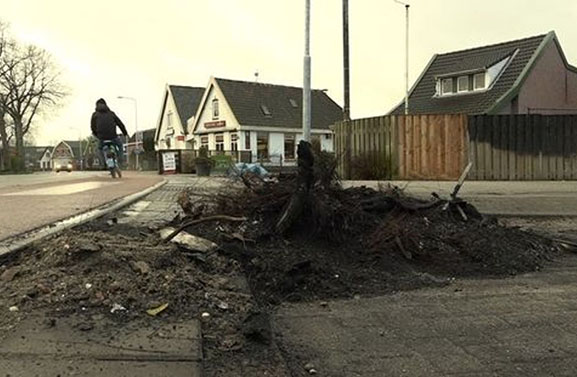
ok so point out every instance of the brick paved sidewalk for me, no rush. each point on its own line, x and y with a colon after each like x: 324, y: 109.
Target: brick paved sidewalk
x: 524, y: 326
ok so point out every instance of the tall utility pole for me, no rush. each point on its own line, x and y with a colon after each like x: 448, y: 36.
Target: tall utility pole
x: 347, y: 107
x: 307, y: 77
x: 406, y: 55
x: 136, y: 136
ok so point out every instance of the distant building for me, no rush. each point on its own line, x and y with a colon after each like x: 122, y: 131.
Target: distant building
x: 38, y: 157
x: 260, y: 122
x: 179, y: 105
x: 67, y: 152
x: 526, y: 76
x: 145, y: 149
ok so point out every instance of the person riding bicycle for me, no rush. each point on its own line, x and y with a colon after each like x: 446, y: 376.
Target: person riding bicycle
x: 103, y: 125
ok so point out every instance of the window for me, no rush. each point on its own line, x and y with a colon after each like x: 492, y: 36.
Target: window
x: 463, y: 84
x: 479, y: 81
x: 262, y: 145
x: 215, y: 112
x: 447, y: 86
x: 219, y: 140
x: 316, y: 142
x: 169, y: 120
x: 204, y: 141
x: 293, y: 103
x: 234, y: 142
x: 265, y: 110
x: 247, y: 140
x: 289, y: 146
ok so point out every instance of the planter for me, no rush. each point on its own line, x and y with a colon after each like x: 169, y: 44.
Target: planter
x: 203, y: 168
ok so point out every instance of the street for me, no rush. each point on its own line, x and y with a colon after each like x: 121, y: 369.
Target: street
x: 31, y: 201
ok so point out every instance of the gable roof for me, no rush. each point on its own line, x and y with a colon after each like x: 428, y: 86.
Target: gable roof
x: 249, y: 101
x: 186, y: 99
x: 145, y: 134
x: 524, y: 53
x: 35, y: 152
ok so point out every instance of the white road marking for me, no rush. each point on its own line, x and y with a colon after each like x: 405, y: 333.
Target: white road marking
x: 73, y: 188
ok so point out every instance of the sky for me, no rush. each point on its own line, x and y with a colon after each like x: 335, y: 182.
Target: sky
x: 133, y: 48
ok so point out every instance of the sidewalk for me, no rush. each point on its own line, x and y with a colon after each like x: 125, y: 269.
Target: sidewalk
x: 504, y: 198
x: 491, y: 327
x: 78, y: 347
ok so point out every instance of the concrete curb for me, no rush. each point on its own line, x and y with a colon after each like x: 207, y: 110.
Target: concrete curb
x: 20, y: 241
x: 531, y: 215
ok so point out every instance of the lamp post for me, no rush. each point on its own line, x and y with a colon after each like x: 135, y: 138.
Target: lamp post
x: 406, y: 55
x: 136, y: 136
x: 307, y: 77
x: 346, y: 68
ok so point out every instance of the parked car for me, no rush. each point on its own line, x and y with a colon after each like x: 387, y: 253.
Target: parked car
x: 63, y: 167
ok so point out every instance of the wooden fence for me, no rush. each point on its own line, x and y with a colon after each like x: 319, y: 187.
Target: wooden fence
x: 523, y: 147
x: 438, y: 147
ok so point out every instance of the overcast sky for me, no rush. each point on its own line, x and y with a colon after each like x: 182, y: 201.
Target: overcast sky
x: 110, y: 48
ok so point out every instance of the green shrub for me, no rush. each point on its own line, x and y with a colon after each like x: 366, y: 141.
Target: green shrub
x: 371, y: 166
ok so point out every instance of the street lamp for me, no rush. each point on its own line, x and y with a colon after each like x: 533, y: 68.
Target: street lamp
x: 307, y: 76
x: 406, y: 55
x: 136, y: 136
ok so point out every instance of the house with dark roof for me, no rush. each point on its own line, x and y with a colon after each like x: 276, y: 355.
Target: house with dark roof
x: 261, y: 120
x: 179, y: 105
x: 68, y: 152
x: 38, y: 157
x: 526, y: 76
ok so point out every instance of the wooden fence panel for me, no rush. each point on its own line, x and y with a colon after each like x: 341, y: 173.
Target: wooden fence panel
x: 501, y: 147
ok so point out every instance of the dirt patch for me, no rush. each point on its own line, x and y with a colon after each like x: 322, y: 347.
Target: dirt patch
x: 105, y: 273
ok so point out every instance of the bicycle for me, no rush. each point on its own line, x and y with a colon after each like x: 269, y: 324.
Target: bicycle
x: 110, y: 152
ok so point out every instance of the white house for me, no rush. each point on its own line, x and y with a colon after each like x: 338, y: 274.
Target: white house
x: 179, y: 105
x: 262, y: 122
x: 46, y: 159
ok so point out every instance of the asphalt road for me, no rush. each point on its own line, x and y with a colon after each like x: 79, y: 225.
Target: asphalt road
x: 28, y: 202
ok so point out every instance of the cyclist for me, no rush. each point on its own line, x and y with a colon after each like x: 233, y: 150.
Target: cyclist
x: 103, y: 125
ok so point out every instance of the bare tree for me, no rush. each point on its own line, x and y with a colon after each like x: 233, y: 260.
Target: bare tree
x: 5, y: 157
x: 30, y: 83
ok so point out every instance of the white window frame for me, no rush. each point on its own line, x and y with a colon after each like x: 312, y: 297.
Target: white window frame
x: 215, y: 109
x: 219, y: 141
x: 293, y: 138
x: 443, y: 92
x: 459, y: 90
x: 475, y: 88
x: 204, y: 141
x: 169, y: 120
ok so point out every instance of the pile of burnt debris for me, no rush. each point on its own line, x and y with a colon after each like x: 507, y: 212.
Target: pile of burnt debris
x: 304, y: 237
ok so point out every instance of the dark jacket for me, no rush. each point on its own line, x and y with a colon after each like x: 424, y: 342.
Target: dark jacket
x: 104, y: 123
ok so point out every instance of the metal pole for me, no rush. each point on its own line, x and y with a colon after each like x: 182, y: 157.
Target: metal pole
x: 307, y: 77
x: 137, y: 166
x: 347, y: 106
x: 81, y: 157
x: 407, y: 61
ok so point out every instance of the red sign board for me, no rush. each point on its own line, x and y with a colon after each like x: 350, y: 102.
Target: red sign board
x: 215, y: 124
x: 180, y: 138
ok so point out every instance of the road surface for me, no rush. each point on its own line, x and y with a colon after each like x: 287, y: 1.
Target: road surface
x: 28, y: 202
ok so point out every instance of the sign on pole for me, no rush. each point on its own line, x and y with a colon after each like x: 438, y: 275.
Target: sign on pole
x: 169, y: 162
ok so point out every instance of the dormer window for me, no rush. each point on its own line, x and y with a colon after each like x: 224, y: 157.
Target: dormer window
x: 479, y: 81
x: 463, y: 84
x: 265, y: 110
x: 446, y: 86
x: 215, y: 112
